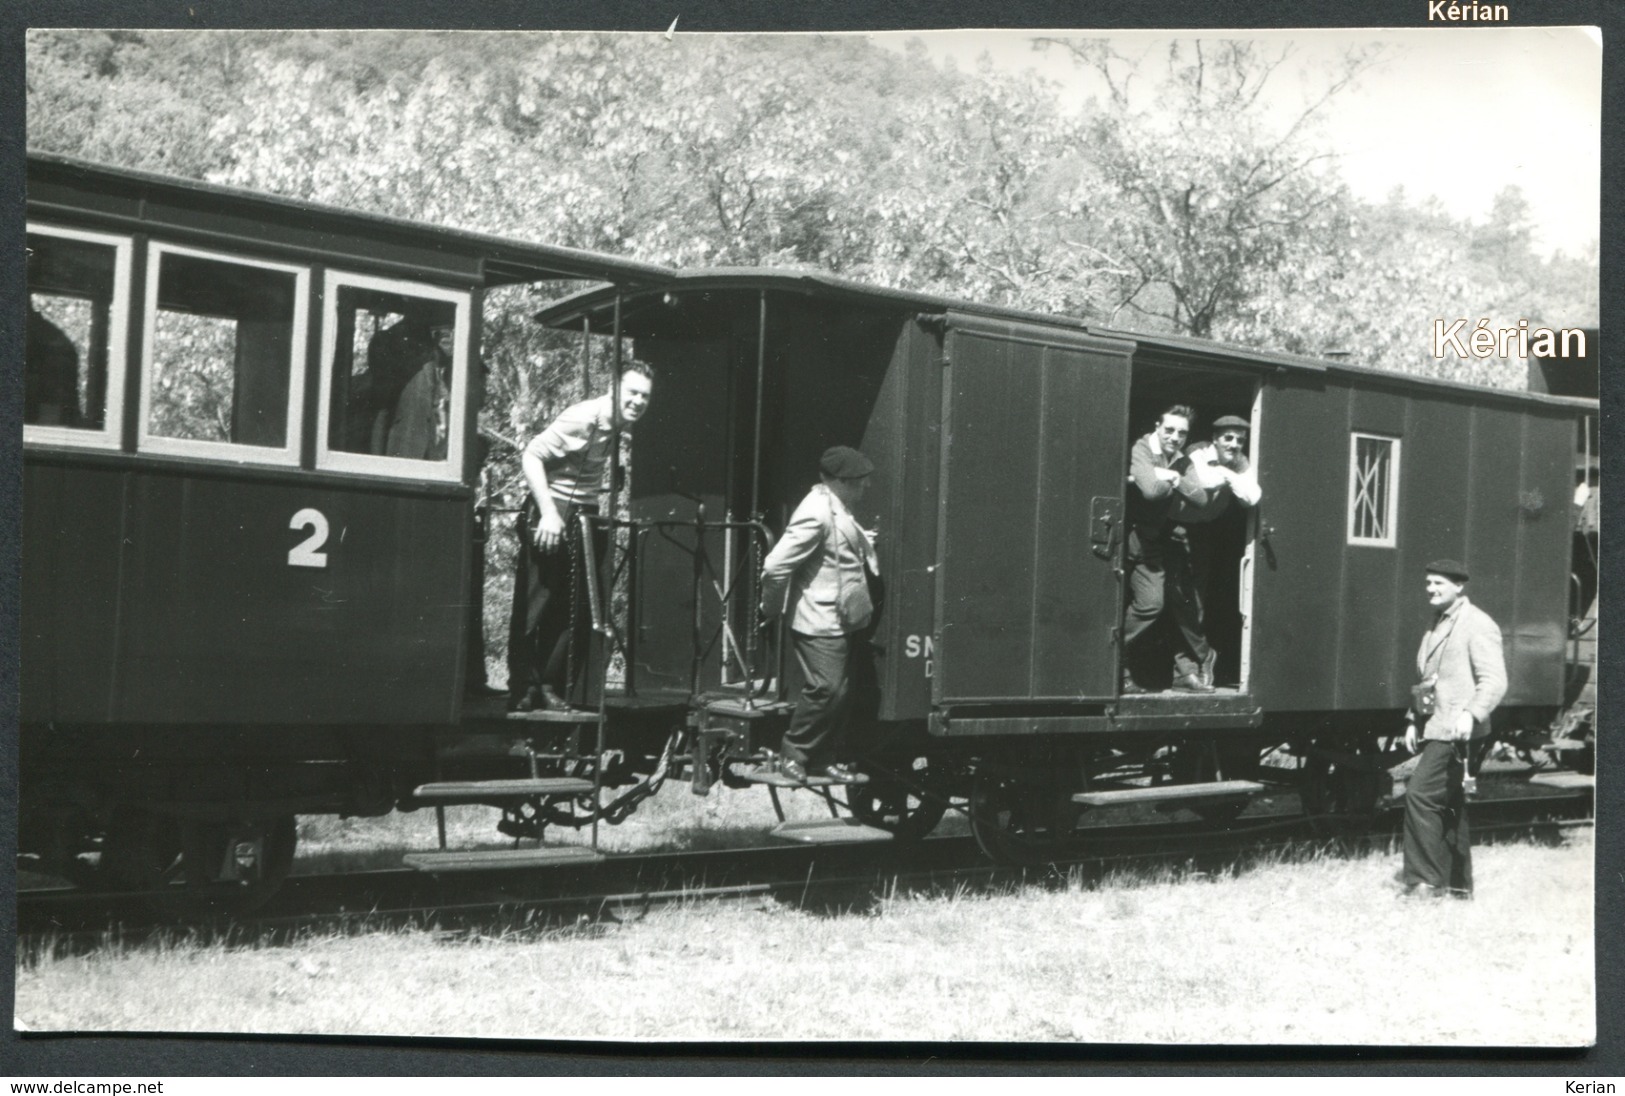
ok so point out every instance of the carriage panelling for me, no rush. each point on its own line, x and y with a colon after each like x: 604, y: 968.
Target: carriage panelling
x: 1298, y: 569
x: 1025, y: 608
x: 1371, y: 600
x: 191, y: 611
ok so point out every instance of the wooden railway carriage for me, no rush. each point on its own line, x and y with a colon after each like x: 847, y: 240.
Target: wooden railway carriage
x: 250, y: 517
x: 249, y: 511
x: 1000, y: 441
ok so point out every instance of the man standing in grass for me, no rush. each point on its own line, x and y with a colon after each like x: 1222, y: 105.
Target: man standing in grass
x: 1463, y: 677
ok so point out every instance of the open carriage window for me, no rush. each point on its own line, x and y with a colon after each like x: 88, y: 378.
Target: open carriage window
x: 394, y: 377
x: 224, y: 350
x: 1373, y: 489
x: 73, y: 351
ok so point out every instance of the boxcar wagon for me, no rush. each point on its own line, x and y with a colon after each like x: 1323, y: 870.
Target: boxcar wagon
x: 1000, y: 441
x: 250, y: 526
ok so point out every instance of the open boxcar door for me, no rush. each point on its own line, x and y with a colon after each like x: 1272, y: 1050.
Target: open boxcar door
x: 1034, y: 444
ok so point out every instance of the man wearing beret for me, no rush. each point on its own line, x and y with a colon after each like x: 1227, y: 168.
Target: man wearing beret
x: 1224, y: 475
x: 1463, y: 677
x: 823, y: 564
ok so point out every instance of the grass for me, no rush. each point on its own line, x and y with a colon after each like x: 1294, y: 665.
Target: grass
x: 1308, y: 952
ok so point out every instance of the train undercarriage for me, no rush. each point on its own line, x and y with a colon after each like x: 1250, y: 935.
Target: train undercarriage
x: 216, y: 834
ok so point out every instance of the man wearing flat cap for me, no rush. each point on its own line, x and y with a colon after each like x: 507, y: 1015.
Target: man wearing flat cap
x: 1463, y: 677
x: 1223, y: 473
x: 823, y: 565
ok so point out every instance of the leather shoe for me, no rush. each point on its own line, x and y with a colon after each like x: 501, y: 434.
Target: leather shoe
x: 1132, y: 688
x: 1190, y: 683
x: 842, y: 774
x: 1205, y: 673
x: 1423, y: 890
x: 789, y: 766
x: 527, y: 700
x: 551, y: 700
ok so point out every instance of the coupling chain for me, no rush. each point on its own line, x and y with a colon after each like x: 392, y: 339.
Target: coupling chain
x: 621, y: 808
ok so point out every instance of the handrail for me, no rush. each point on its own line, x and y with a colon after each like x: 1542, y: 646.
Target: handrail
x: 700, y: 648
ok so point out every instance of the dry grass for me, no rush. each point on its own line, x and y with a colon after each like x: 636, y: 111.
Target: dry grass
x: 1316, y: 952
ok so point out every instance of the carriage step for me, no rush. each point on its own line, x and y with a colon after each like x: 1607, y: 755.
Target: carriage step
x: 1566, y: 781
x: 831, y: 831
x: 483, y: 791
x: 737, y: 709
x: 779, y: 780
x: 555, y: 715
x: 1215, y: 791
x: 499, y: 859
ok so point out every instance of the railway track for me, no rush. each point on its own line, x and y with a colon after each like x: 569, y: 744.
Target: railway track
x: 841, y: 875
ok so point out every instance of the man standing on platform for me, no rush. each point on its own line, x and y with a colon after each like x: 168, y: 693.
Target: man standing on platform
x: 824, y: 563
x: 1463, y: 677
x: 1159, y: 559
x: 1224, y: 474
x: 564, y: 469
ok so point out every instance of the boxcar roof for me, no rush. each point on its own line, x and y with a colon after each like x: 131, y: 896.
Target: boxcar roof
x: 64, y: 186
x: 595, y: 305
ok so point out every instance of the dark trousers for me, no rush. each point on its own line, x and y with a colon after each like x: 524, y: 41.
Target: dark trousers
x: 836, y: 673
x: 1161, y: 579
x: 551, y: 625
x: 1438, y: 846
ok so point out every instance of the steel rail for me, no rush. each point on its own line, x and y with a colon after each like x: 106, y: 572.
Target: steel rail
x: 797, y: 873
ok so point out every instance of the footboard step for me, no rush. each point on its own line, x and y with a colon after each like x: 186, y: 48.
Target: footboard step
x: 737, y: 709
x: 483, y: 791
x: 555, y: 715
x: 832, y: 831
x: 1567, y: 781
x: 779, y: 780
x: 1218, y: 791
x: 499, y: 859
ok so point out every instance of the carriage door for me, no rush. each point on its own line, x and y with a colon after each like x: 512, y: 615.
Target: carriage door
x: 1035, y: 425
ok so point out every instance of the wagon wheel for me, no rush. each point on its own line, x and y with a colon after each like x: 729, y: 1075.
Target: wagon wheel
x: 189, y: 869
x: 898, y: 805
x: 1016, y: 821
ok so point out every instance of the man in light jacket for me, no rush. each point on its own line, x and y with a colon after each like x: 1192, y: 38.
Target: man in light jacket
x: 823, y: 564
x: 1463, y: 677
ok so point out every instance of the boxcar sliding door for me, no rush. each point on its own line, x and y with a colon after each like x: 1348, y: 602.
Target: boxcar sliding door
x: 1035, y: 423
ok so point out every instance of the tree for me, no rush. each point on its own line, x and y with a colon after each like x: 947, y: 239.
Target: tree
x: 1199, y: 192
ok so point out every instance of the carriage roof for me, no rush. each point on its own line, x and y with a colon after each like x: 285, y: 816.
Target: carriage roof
x: 596, y: 306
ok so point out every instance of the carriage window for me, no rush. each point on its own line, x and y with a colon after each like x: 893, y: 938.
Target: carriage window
x: 224, y: 343
x: 393, y: 376
x: 1373, y: 489
x: 73, y: 351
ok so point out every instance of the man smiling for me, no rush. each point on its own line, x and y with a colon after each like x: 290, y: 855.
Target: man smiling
x: 1160, y: 574
x: 564, y: 468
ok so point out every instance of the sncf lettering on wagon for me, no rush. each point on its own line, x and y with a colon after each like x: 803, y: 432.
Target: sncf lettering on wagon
x: 1589, y: 1086
x: 920, y: 647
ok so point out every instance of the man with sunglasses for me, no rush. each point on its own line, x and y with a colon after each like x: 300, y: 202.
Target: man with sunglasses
x: 1159, y: 562
x: 1224, y: 474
